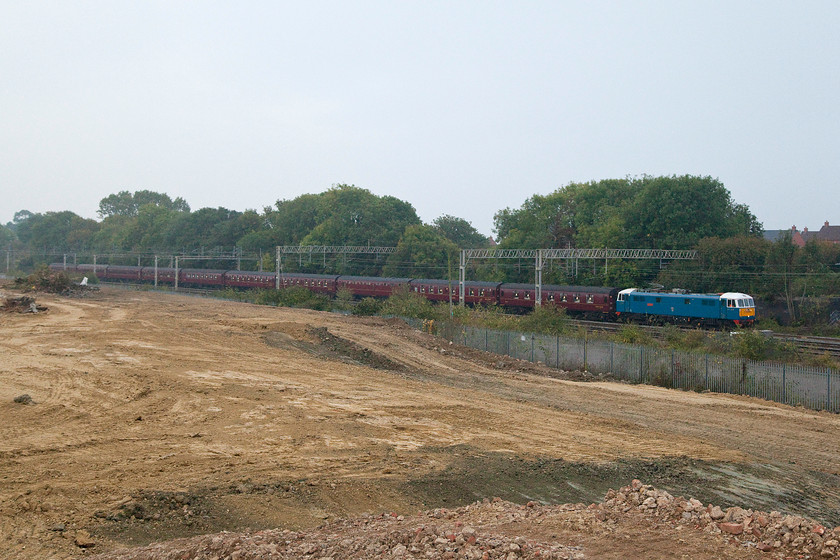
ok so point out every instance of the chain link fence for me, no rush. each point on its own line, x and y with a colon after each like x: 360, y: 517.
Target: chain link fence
x: 816, y: 388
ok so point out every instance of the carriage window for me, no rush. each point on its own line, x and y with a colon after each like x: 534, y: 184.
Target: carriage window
x: 589, y: 299
x: 563, y: 298
x: 550, y: 297
x: 516, y: 295
x: 481, y: 293
x: 577, y: 299
x: 527, y: 295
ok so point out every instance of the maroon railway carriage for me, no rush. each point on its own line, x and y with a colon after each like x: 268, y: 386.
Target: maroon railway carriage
x: 250, y: 279
x: 164, y: 274
x: 485, y: 293
x: 481, y: 293
x: 370, y: 286
x: 587, y: 301
x: 318, y: 283
x: 118, y: 272
x: 434, y: 290
x: 517, y: 295
x: 201, y: 277
x: 97, y: 270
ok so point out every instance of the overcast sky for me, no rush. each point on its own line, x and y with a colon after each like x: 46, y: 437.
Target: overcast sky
x: 460, y: 108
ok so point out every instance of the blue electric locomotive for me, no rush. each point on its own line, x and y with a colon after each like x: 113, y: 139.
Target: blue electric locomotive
x: 730, y: 308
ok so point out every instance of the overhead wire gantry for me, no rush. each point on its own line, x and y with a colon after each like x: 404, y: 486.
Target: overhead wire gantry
x: 540, y: 255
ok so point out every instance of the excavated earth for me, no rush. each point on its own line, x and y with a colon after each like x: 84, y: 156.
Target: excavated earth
x: 142, y: 425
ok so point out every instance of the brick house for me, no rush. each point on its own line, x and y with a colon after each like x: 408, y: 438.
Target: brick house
x: 827, y: 234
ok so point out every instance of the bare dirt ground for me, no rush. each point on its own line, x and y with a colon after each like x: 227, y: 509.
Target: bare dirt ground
x: 156, y: 416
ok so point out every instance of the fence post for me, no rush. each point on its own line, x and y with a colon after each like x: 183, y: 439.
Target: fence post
x: 585, y: 346
x: 612, y: 346
x: 828, y: 391
x: 672, y: 367
x: 707, y: 373
x: 641, y: 363
x: 784, y: 383
x: 532, y: 348
x: 557, y: 352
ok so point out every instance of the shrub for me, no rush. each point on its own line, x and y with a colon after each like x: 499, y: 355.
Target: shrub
x: 405, y: 303
x: 296, y: 296
x: 45, y: 280
x: 632, y: 334
x: 367, y: 306
x: 546, y: 319
x: 343, y: 300
x: 752, y: 345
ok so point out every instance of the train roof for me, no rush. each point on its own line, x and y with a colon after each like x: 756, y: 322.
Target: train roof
x: 725, y: 295
x: 303, y: 275
x: 455, y: 282
x: 204, y: 270
x: 557, y: 288
x: 373, y: 279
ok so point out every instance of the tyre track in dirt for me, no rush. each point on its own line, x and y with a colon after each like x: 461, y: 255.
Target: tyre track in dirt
x: 143, y: 393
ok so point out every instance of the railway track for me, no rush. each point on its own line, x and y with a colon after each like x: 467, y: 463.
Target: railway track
x: 813, y: 345
x: 816, y: 345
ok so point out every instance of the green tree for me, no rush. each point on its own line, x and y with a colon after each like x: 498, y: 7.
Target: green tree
x: 60, y: 231
x: 677, y: 212
x: 422, y: 251
x: 125, y: 203
x: 349, y: 215
x: 647, y: 212
x: 7, y: 237
x: 460, y: 232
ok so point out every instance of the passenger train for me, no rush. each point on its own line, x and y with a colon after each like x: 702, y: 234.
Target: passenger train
x: 590, y: 302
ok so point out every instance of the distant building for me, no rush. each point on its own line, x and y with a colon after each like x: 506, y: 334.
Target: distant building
x: 826, y: 234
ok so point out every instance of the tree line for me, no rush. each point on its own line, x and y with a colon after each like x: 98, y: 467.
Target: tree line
x: 674, y: 212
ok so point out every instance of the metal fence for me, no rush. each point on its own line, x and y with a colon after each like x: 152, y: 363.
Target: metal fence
x: 812, y: 387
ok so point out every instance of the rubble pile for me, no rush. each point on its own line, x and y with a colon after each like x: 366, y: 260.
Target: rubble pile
x: 493, y: 529
x: 788, y: 535
x: 436, y: 534
x: 23, y: 304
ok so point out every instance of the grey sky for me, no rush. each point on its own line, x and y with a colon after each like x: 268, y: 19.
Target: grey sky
x: 459, y: 108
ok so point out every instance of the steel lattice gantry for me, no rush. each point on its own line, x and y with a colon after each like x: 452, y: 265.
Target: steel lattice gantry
x: 542, y: 254
x: 325, y: 250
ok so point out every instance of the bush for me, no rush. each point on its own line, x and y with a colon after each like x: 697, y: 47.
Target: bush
x: 632, y: 334
x: 296, y: 296
x: 343, y: 300
x: 367, y: 306
x: 405, y: 303
x: 546, y: 319
x: 753, y: 345
x: 45, y: 280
